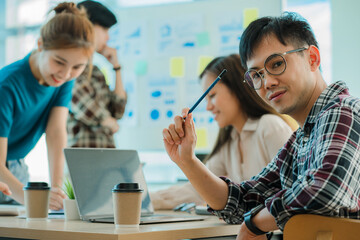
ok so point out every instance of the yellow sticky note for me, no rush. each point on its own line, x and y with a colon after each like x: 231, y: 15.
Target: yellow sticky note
x: 106, y: 75
x: 203, y: 62
x: 177, y: 66
x: 250, y: 14
x: 202, y: 138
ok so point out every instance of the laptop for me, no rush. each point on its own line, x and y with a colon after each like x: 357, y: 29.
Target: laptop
x: 95, y: 171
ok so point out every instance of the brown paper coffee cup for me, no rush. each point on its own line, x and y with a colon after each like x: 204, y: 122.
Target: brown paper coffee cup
x: 127, y: 199
x: 36, y: 200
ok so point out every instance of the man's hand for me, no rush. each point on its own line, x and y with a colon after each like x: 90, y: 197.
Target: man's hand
x: 111, y: 55
x: 180, y: 138
x: 111, y: 123
x: 264, y: 221
x: 56, y: 198
x: 246, y: 234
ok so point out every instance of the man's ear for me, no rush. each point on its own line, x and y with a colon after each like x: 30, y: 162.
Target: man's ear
x: 40, y: 44
x: 314, y: 59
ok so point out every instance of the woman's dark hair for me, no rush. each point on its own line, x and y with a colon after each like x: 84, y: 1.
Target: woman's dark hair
x: 249, y: 100
x: 289, y: 28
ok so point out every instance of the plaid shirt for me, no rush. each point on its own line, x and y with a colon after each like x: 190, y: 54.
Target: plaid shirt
x: 92, y: 102
x: 316, y: 172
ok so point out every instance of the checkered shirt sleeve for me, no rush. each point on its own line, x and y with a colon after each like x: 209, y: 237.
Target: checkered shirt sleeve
x: 92, y: 101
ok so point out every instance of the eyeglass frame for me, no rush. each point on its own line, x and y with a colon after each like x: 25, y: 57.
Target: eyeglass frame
x: 264, y: 68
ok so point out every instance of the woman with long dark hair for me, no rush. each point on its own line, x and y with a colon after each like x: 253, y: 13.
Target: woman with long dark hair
x: 251, y: 132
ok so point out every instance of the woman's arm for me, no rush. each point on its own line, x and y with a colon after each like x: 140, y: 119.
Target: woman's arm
x: 4, y: 188
x: 56, y: 138
x: 7, y: 177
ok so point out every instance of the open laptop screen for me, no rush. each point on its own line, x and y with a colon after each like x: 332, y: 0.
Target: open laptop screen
x: 94, y: 172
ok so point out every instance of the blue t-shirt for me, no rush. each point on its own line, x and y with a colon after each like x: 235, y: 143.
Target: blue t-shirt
x: 25, y: 106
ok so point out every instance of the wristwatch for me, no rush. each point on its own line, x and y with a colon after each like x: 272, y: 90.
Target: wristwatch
x: 117, y: 68
x: 249, y: 216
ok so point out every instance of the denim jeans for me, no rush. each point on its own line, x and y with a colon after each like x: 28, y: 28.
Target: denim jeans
x: 20, y: 170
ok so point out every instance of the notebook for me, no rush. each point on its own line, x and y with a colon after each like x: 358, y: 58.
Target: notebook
x: 95, y: 171
x: 11, y: 210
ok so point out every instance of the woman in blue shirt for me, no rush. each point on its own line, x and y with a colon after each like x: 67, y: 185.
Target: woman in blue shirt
x: 35, y: 93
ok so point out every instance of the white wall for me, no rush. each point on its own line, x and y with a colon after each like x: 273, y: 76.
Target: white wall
x: 346, y: 43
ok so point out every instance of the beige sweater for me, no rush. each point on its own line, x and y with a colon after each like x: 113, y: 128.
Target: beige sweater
x: 261, y: 139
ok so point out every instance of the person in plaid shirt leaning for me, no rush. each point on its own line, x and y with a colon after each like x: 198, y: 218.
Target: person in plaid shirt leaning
x: 317, y: 171
x: 95, y: 109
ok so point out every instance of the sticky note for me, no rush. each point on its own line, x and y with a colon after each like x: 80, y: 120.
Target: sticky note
x: 141, y: 67
x: 203, y: 39
x: 202, y: 138
x: 203, y: 62
x: 106, y: 75
x: 250, y: 14
x: 177, y: 66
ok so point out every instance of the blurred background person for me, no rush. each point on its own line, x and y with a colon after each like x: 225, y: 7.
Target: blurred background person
x: 95, y: 109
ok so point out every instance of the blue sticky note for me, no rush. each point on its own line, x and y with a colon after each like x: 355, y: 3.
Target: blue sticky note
x: 140, y: 67
x: 203, y: 39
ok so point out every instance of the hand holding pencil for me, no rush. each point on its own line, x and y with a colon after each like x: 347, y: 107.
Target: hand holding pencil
x: 180, y: 137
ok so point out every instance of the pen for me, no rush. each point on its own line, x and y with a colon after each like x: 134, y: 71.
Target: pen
x: 207, y: 91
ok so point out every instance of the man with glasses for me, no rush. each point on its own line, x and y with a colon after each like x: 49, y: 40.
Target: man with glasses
x: 317, y: 171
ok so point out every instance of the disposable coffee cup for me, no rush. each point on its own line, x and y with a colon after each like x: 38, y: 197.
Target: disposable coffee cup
x: 36, y: 200
x: 127, y: 204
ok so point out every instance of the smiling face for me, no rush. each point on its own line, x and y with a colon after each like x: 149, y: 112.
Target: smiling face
x: 292, y: 91
x: 61, y: 65
x: 221, y: 102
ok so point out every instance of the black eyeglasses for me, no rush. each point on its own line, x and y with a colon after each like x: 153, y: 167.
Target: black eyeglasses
x: 275, y: 64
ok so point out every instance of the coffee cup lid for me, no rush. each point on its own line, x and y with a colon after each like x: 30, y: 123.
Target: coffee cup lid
x: 36, y: 186
x: 127, y: 187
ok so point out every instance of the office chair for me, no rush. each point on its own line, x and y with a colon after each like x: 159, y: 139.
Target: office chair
x: 315, y: 227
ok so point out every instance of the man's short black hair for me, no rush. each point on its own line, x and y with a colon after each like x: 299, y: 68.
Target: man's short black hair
x: 289, y: 28
x: 98, y: 13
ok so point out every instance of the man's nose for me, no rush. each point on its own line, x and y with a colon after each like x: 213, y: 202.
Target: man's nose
x: 269, y: 80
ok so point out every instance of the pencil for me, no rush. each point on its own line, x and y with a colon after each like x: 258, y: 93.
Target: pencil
x: 207, y: 91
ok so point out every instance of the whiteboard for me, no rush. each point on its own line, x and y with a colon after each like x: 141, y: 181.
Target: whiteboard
x: 162, y: 50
